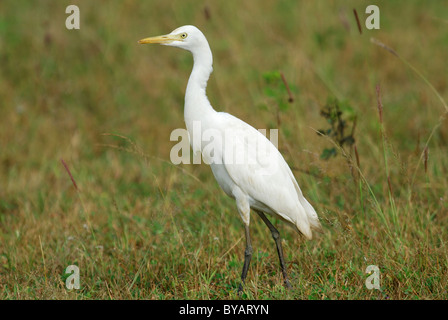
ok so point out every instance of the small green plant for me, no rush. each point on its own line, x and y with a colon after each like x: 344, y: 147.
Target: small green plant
x: 342, y: 121
x: 277, y: 89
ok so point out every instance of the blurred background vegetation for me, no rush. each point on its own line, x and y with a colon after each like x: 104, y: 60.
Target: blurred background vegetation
x: 141, y: 228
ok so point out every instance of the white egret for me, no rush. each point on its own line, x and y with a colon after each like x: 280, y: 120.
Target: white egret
x: 263, y: 181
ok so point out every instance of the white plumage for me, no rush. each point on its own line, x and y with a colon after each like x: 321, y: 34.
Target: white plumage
x: 246, y: 165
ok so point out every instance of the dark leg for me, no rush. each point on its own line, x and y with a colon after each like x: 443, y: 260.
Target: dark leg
x: 278, y: 243
x: 247, y: 257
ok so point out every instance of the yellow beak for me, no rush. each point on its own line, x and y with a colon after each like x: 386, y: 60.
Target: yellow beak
x: 168, y: 38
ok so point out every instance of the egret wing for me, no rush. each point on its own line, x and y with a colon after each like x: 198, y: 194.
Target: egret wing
x: 258, y: 168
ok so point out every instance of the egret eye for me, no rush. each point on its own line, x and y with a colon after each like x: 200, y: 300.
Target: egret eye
x: 183, y: 35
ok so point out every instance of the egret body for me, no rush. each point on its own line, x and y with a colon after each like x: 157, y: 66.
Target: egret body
x: 261, y: 179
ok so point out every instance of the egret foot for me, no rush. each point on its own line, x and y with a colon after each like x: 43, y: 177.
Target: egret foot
x: 247, y: 258
x: 288, y: 284
x: 278, y: 243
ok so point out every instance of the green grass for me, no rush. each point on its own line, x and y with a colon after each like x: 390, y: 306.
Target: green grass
x: 139, y: 227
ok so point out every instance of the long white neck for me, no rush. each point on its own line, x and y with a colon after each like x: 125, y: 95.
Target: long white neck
x: 197, y: 106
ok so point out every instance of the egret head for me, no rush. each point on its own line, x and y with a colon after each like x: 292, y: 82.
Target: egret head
x: 191, y: 39
x: 185, y: 37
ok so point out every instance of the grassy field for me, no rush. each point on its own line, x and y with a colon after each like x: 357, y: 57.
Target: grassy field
x: 140, y: 227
